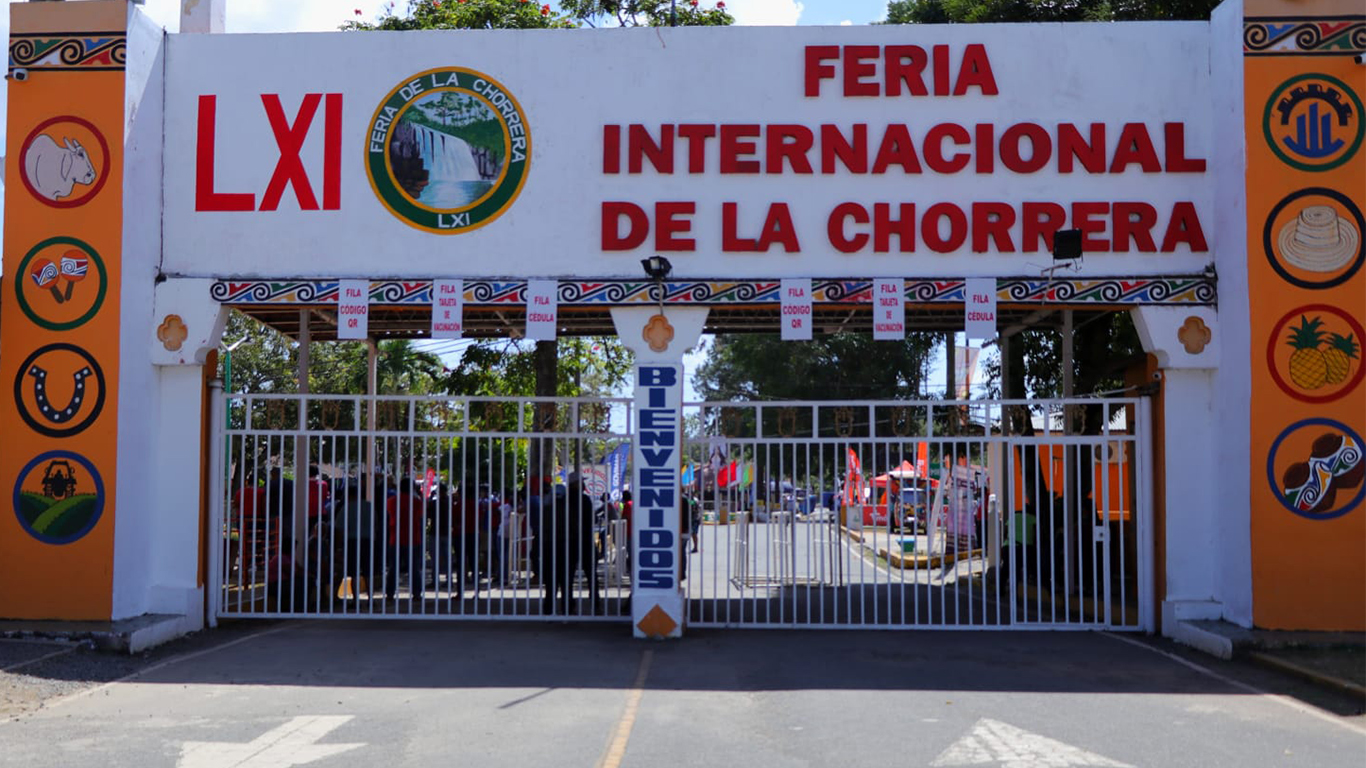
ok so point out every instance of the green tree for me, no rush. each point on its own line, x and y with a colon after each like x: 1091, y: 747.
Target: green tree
x: 465, y: 14
x: 842, y: 366
x: 974, y: 11
x: 589, y: 367
x: 649, y: 13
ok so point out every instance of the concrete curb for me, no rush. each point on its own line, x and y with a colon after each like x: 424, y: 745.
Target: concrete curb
x: 126, y: 636
x: 1307, y: 674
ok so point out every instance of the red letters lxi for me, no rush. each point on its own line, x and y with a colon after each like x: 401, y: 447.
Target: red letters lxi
x: 290, y: 134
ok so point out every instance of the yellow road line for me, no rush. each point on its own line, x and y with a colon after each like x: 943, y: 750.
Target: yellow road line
x: 616, y: 750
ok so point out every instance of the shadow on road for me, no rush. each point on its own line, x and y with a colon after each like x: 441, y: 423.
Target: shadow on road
x: 539, y: 656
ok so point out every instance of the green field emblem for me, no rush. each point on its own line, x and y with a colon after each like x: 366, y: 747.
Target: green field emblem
x: 448, y: 150
x: 58, y: 497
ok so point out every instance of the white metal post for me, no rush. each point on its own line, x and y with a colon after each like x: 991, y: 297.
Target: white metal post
x: 216, y: 534
x: 1143, y: 488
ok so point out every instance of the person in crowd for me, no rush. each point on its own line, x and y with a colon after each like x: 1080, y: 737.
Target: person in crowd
x: 692, y: 519
x: 464, y: 526
x: 407, y: 523
x: 280, y: 494
x: 357, y: 520
x: 248, y: 504
x: 319, y: 494
x: 509, y: 526
x: 441, y: 513
x: 570, y: 548
x: 687, y: 531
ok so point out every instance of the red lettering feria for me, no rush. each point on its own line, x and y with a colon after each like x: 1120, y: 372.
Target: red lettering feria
x: 289, y: 168
x: 870, y: 70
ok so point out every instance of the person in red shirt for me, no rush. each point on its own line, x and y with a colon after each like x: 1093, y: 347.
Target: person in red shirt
x: 247, y: 504
x: 318, y: 493
x: 405, y: 529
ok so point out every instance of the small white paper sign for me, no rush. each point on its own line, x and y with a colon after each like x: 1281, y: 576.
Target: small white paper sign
x: 889, y: 309
x: 541, y: 305
x: 795, y: 315
x: 448, y: 309
x: 979, y: 303
x: 353, y: 309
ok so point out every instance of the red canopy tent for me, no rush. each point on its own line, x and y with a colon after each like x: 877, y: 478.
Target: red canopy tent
x: 906, y: 474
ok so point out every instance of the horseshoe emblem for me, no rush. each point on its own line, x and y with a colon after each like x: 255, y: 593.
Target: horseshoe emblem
x: 31, y: 391
x: 58, y: 415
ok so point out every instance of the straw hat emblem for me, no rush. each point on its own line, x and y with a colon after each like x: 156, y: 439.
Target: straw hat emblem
x: 1318, y: 240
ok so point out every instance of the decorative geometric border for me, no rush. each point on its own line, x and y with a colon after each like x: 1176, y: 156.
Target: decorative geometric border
x: 89, y: 52
x: 1187, y: 290
x: 1323, y: 35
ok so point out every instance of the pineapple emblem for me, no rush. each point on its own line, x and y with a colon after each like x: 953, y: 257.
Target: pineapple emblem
x: 1341, y: 351
x: 1308, y: 364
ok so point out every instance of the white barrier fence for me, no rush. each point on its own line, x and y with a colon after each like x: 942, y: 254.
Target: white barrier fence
x: 415, y: 507
x: 980, y: 514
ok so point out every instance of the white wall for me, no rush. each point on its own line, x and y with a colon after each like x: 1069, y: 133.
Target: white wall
x: 1233, y: 381
x: 151, y: 538
x: 570, y: 84
x: 1192, y: 501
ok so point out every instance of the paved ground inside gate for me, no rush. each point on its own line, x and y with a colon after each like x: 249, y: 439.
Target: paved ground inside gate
x: 350, y: 693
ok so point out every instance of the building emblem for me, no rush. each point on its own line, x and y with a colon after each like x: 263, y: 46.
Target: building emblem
x: 1313, y: 122
x: 55, y: 285
x: 1315, y: 468
x: 1313, y: 238
x: 1314, y: 353
x: 58, y: 497
x: 448, y: 150
x: 59, y: 390
x: 65, y: 161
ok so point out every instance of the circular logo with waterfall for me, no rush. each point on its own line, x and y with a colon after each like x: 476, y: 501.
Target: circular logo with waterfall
x: 448, y: 150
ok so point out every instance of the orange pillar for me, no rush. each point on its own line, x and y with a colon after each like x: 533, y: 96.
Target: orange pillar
x: 1306, y: 180
x: 60, y: 322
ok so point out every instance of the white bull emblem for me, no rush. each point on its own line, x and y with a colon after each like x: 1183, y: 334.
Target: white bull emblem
x: 53, y: 169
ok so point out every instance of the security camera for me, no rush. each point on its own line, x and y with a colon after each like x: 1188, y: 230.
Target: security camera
x: 18, y: 74
x: 1360, y: 58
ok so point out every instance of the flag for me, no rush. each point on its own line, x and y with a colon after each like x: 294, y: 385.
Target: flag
x: 964, y: 366
x: 688, y: 474
x: 853, y: 479
x: 747, y: 475
x: 728, y: 474
x: 616, y: 468
x: 428, y: 483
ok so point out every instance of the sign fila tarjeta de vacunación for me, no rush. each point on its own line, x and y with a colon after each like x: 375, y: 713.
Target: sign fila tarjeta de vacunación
x: 448, y: 150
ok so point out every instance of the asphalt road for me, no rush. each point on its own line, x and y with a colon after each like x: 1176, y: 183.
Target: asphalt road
x: 347, y: 694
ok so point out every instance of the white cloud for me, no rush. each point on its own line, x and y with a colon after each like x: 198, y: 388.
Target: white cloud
x: 846, y: 23
x: 765, y: 12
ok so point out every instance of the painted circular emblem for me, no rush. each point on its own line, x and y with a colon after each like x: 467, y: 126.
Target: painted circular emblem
x: 59, y: 390
x: 65, y: 161
x: 1315, y: 468
x: 1313, y: 238
x: 54, y: 287
x: 448, y: 150
x: 1314, y: 353
x: 1313, y: 122
x: 59, y: 497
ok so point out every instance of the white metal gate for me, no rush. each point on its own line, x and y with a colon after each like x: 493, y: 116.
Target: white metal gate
x: 979, y: 514
x: 905, y: 514
x: 415, y: 507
